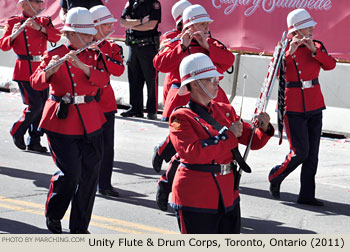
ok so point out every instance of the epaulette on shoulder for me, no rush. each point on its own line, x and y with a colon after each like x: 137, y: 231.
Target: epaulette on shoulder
x: 55, y: 48
x: 323, y: 48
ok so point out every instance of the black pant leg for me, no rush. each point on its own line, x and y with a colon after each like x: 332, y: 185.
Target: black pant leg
x: 209, y: 223
x: 84, y: 197
x: 309, y: 167
x: 136, y: 79
x: 297, y: 133
x: 30, y: 118
x: 67, y: 156
x: 108, y: 153
x: 146, y: 55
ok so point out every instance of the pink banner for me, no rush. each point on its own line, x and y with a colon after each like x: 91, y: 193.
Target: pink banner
x: 242, y: 25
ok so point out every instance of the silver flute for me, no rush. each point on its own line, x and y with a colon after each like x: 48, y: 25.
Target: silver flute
x: 21, y: 28
x: 64, y: 58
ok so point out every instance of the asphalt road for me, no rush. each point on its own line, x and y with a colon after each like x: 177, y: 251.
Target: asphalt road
x: 24, y: 182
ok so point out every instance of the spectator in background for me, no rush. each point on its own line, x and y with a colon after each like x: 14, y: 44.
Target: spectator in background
x: 141, y: 19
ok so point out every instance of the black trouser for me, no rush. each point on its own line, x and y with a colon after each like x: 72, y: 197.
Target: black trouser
x: 304, y: 133
x: 141, y: 69
x: 210, y: 223
x: 79, y: 161
x: 108, y: 153
x: 31, y: 115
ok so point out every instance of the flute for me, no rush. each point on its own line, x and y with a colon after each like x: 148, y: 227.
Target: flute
x: 21, y: 28
x: 64, y: 58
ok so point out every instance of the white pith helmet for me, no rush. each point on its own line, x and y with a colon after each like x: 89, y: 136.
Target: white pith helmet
x: 102, y: 15
x: 195, y: 67
x: 19, y: 3
x: 178, y: 8
x: 79, y: 19
x: 195, y: 14
x: 299, y: 19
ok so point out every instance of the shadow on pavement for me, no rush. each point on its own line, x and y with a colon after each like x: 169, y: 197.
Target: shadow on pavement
x: 289, y: 199
x: 39, y: 179
x: 16, y: 227
x: 158, y: 122
x: 134, y: 198
x: 259, y: 226
x: 134, y: 169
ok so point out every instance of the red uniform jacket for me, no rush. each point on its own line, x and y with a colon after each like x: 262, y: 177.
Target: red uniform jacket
x: 200, y: 191
x: 169, y: 59
x: 36, y: 42
x: 309, y: 68
x: 60, y: 83
x: 164, y: 39
x: 115, y: 67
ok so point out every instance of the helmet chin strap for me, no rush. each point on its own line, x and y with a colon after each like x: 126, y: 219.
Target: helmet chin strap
x: 195, y: 26
x: 302, y: 34
x: 31, y: 6
x: 205, y: 90
x: 99, y: 28
x: 81, y: 40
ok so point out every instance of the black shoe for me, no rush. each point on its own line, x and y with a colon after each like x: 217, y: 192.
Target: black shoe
x: 19, y: 142
x: 312, y: 202
x: 131, y: 113
x: 54, y: 225
x: 37, y: 148
x: 139, y: 115
x: 79, y: 232
x: 275, y: 190
x: 152, y: 116
x: 162, y: 197
x: 111, y: 191
x: 157, y: 160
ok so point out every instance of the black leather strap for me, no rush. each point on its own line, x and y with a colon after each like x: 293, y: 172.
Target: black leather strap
x: 214, y: 168
x: 209, y: 119
x: 299, y: 84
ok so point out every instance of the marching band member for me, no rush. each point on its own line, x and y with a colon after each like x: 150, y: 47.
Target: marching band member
x: 104, y: 22
x: 73, y: 122
x: 204, y: 134
x: 195, y: 37
x: 303, y: 105
x: 176, y: 12
x: 29, y: 45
